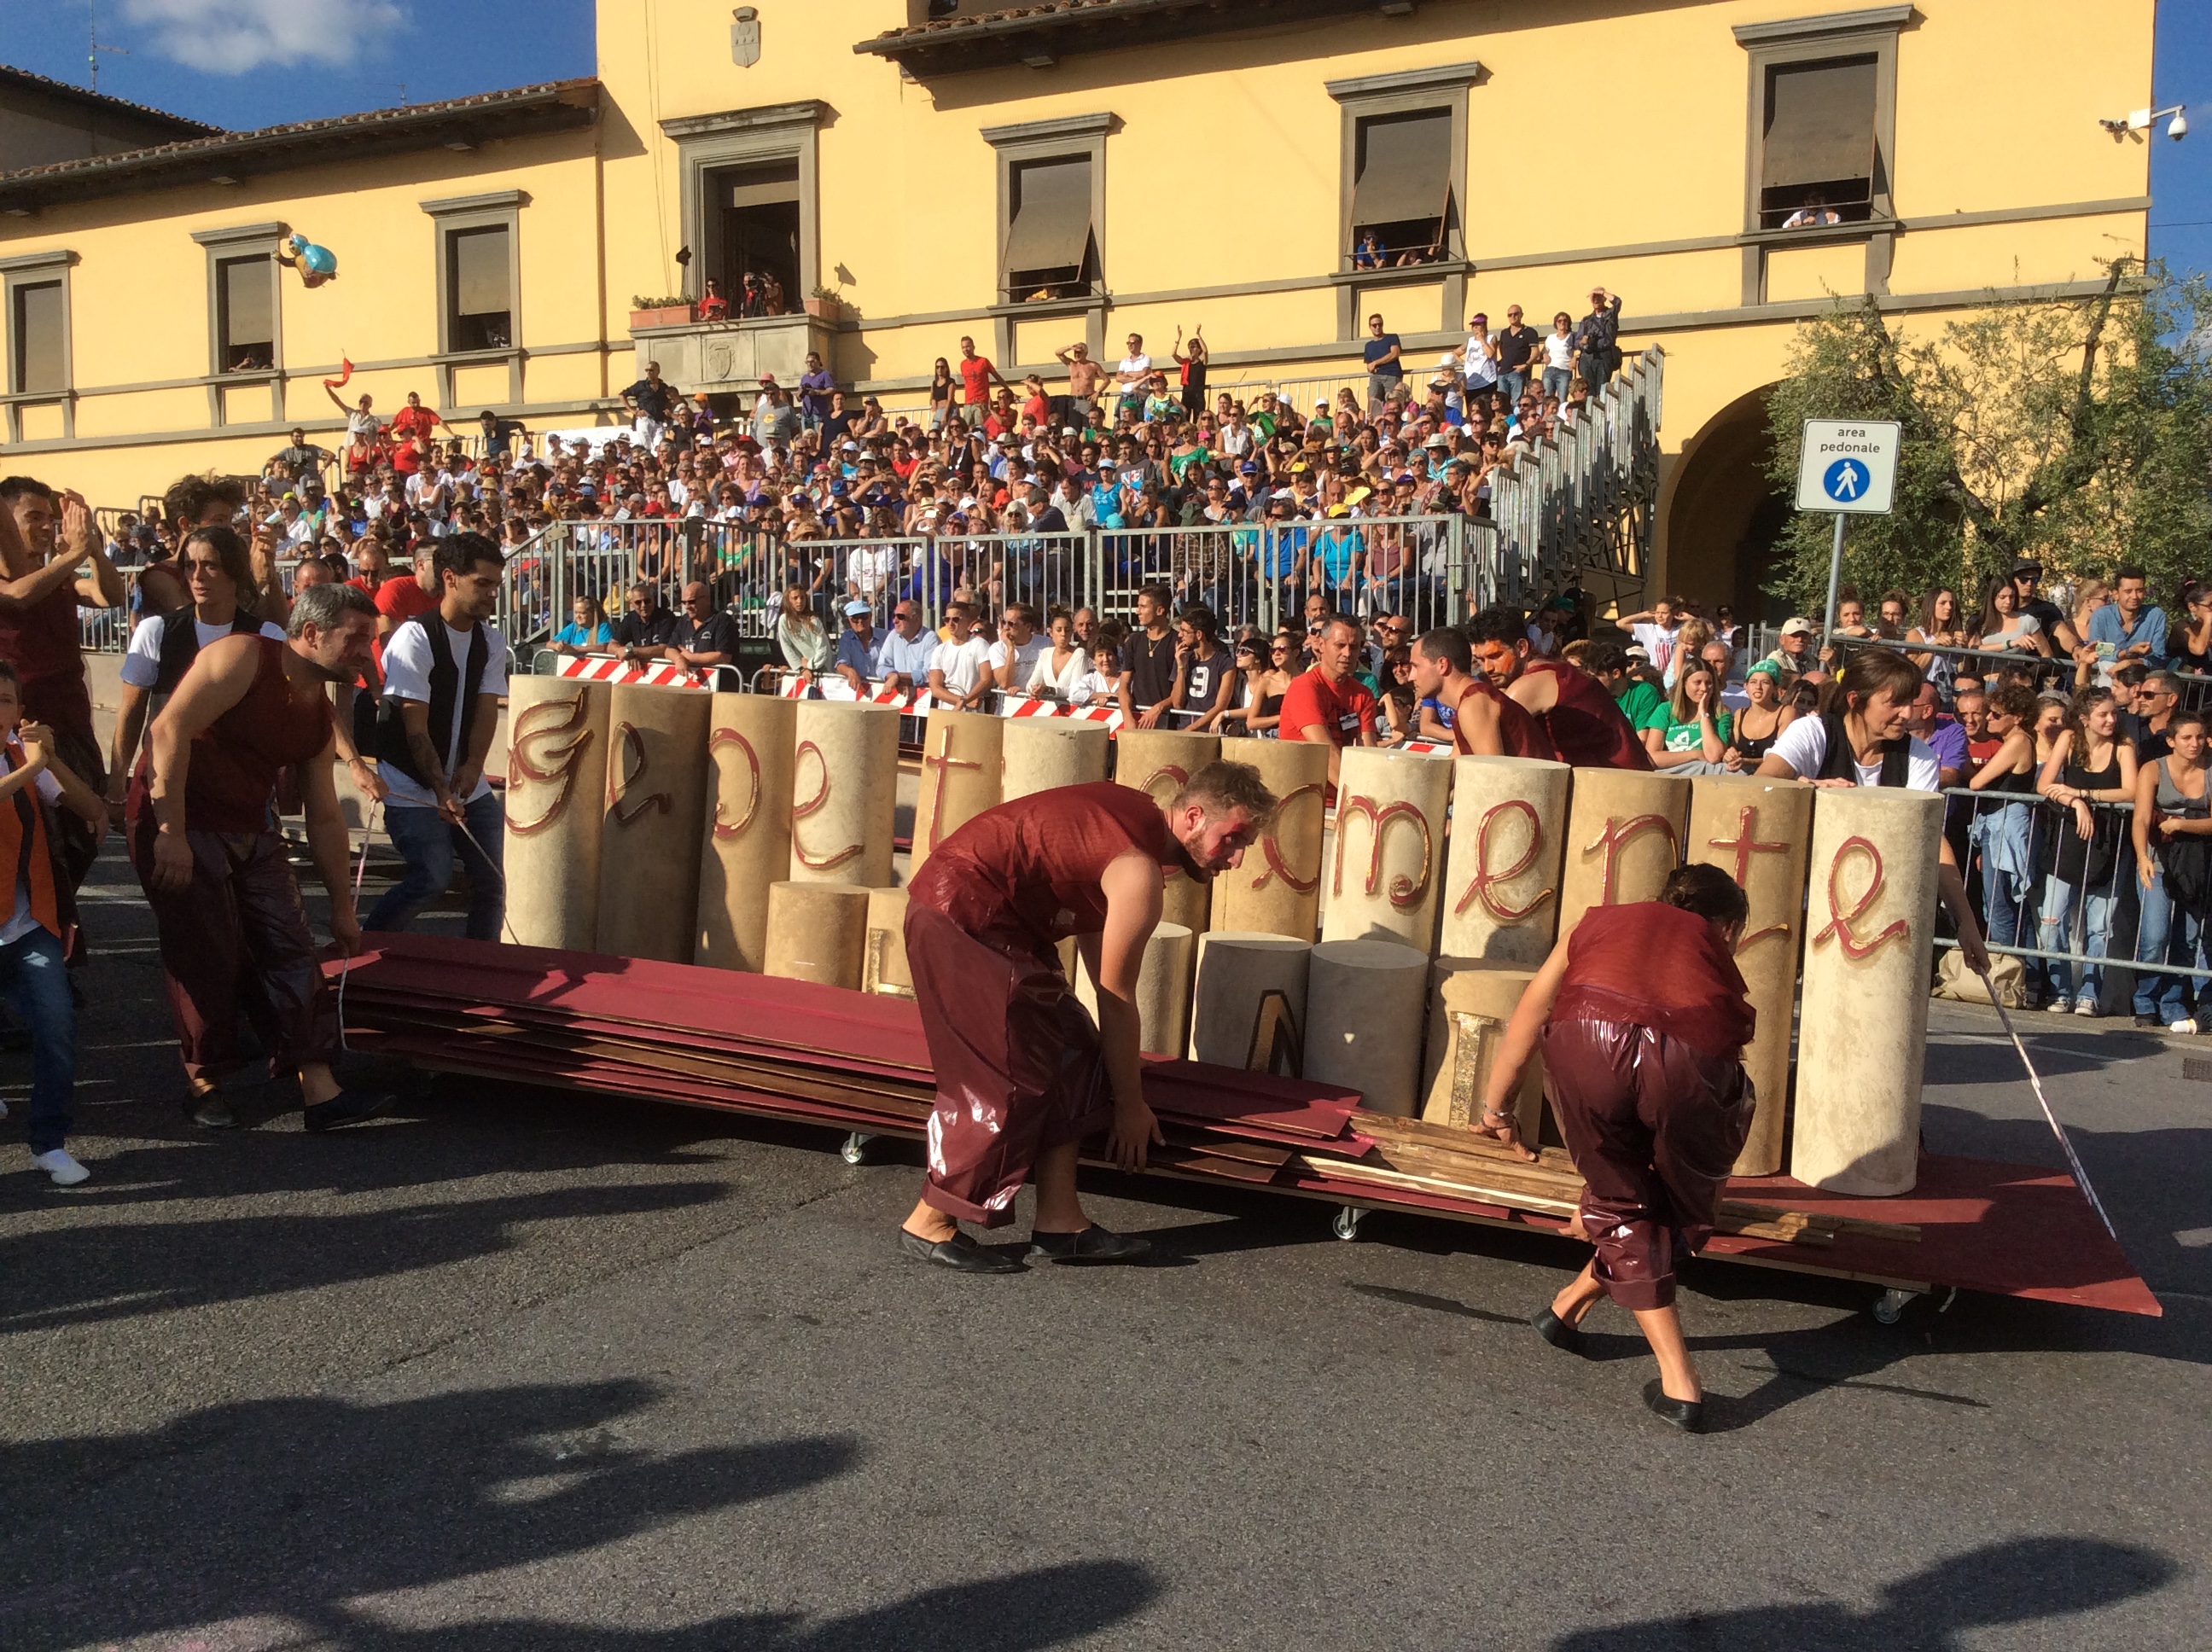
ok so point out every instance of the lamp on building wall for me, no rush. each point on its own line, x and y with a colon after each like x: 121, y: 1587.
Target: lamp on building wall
x: 2143, y: 120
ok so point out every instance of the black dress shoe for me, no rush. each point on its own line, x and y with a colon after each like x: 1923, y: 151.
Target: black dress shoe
x: 209, y: 1110
x: 1094, y: 1244
x: 346, y: 1107
x: 1560, y: 1334
x: 960, y: 1253
x: 1687, y: 1415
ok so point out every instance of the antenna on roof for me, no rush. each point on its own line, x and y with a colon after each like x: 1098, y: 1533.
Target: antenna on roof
x: 93, y: 47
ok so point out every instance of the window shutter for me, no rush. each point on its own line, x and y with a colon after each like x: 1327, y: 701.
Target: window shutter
x: 249, y: 310
x: 1819, y: 123
x: 1051, y: 228
x: 480, y: 271
x: 39, y: 352
x: 1405, y: 169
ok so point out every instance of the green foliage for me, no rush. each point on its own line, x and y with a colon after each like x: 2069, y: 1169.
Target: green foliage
x: 676, y: 303
x: 2076, y: 430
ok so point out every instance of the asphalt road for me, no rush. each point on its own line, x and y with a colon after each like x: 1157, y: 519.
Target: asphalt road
x: 519, y: 1369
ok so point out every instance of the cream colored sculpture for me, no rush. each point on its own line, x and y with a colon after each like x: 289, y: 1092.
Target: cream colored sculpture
x: 656, y: 813
x: 1625, y: 831
x: 556, y: 782
x: 746, y: 841
x: 1470, y: 1002
x: 844, y: 794
x: 1862, y: 1028
x: 1758, y: 832
x: 1159, y: 760
x: 1041, y: 753
x: 885, y: 969
x: 1278, y: 889
x: 1162, y: 991
x: 1248, y: 1003
x: 1365, y: 1001
x: 1509, y: 835
x: 817, y: 932
x: 1389, y: 850
x: 961, y: 755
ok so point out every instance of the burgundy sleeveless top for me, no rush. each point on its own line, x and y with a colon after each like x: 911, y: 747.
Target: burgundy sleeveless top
x: 1521, y: 734
x: 1659, y: 967
x: 235, y: 761
x: 1025, y: 874
x: 1587, y: 726
x: 42, y: 640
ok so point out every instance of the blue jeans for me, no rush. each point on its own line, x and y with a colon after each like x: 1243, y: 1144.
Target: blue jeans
x: 1513, y: 381
x: 35, y: 982
x: 2055, y: 930
x: 2007, y: 914
x: 1558, y: 381
x: 2168, y: 935
x: 428, y: 843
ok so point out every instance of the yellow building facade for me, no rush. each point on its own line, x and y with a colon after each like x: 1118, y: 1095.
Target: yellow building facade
x: 1083, y: 169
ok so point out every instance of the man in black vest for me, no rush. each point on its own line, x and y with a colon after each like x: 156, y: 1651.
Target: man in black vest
x: 444, y: 672
x: 217, y: 572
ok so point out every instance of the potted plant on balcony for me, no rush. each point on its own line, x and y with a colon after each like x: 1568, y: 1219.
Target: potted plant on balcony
x: 660, y: 311
x: 826, y: 304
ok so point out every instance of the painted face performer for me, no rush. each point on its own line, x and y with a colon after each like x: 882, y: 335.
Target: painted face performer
x: 1023, y: 1076
x: 234, y: 934
x: 1641, y: 1018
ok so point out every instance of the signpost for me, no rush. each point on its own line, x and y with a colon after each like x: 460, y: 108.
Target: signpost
x: 1847, y: 467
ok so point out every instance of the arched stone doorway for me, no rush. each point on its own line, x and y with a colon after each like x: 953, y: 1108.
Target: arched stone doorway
x: 1724, y: 515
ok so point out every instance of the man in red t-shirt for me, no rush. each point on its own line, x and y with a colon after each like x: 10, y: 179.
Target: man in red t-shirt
x: 977, y: 374
x: 415, y: 420
x: 398, y: 601
x: 1328, y: 702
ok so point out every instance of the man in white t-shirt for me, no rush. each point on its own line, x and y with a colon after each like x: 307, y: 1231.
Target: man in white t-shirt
x: 956, y: 675
x: 1134, y: 372
x: 1867, y: 741
x: 1655, y: 628
x: 444, y: 672
x: 1014, y: 655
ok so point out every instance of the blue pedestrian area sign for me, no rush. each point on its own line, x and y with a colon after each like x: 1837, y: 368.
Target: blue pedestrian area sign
x: 1848, y: 467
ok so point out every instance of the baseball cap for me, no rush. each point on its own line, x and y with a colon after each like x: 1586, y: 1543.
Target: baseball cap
x: 1638, y: 652
x: 1766, y: 668
x: 1248, y: 468
x: 1798, y: 626
x: 856, y: 606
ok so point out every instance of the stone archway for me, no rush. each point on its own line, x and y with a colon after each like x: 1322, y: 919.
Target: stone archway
x: 1722, y: 515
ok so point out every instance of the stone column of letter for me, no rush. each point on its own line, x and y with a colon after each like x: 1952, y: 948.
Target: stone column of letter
x: 1040, y: 753
x: 885, y: 969
x: 817, y: 932
x: 656, y: 811
x: 1249, y: 1003
x: 844, y: 792
x: 1863, y: 1029
x: 1364, y: 1004
x: 747, y: 841
x: 960, y: 758
x: 557, y: 781
x: 1158, y: 761
x: 1625, y: 831
x: 1389, y: 859
x: 1757, y: 832
x: 1508, y: 832
x: 1278, y: 889
x: 1162, y: 991
x: 1470, y: 1001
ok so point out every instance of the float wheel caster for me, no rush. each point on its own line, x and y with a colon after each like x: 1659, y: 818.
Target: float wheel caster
x: 1889, y: 1307
x: 1346, y: 1224
x: 856, y: 1149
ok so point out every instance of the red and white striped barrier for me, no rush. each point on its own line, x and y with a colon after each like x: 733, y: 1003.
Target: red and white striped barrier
x: 793, y: 685
x: 1031, y: 706
x: 604, y: 668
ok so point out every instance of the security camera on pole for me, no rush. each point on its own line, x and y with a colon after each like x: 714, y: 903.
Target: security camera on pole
x: 1849, y: 467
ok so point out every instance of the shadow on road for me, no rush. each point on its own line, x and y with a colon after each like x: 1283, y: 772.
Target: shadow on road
x: 2017, y: 1581
x: 291, y: 1506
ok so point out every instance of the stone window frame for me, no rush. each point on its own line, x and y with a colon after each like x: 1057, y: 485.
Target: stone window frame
x: 233, y: 241
x: 745, y: 138
x: 1869, y: 33
x: 1067, y: 137
x: 493, y: 210
x: 38, y: 269
x: 1410, y: 91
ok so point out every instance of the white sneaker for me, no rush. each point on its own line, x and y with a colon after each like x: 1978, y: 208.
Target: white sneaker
x: 2060, y: 1006
x: 2085, y: 1007
x: 65, y: 1170
x: 2186, y: 1026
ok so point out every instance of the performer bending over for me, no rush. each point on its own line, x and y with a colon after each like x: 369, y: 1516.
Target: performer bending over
x: 1023, y: 1075
x: 1643, y: 1019
x: 234, y: 934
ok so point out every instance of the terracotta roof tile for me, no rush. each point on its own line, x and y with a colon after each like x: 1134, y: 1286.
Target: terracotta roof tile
x: 78, y: 94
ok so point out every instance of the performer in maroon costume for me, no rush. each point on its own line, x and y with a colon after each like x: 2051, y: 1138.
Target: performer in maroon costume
x: 1585, y: 725
x: 203, y: 837
x: 1023, y: 1075
x: 1643, y: 1019
x: 1487, y: 722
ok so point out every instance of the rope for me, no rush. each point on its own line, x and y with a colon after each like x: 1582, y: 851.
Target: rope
x: 2080, y: 1176
x: 360, y: 872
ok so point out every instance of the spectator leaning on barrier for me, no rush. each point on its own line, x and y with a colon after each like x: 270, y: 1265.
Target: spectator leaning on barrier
x: 2130, y: 626
x: 1329, y: 703
x: 1148, y: 660
x: 908, y: 652
x: 648, y: 625
x: 588, y: 631
x: 2172, y: 831
x: 958, y: 670
x: 858, y: 648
